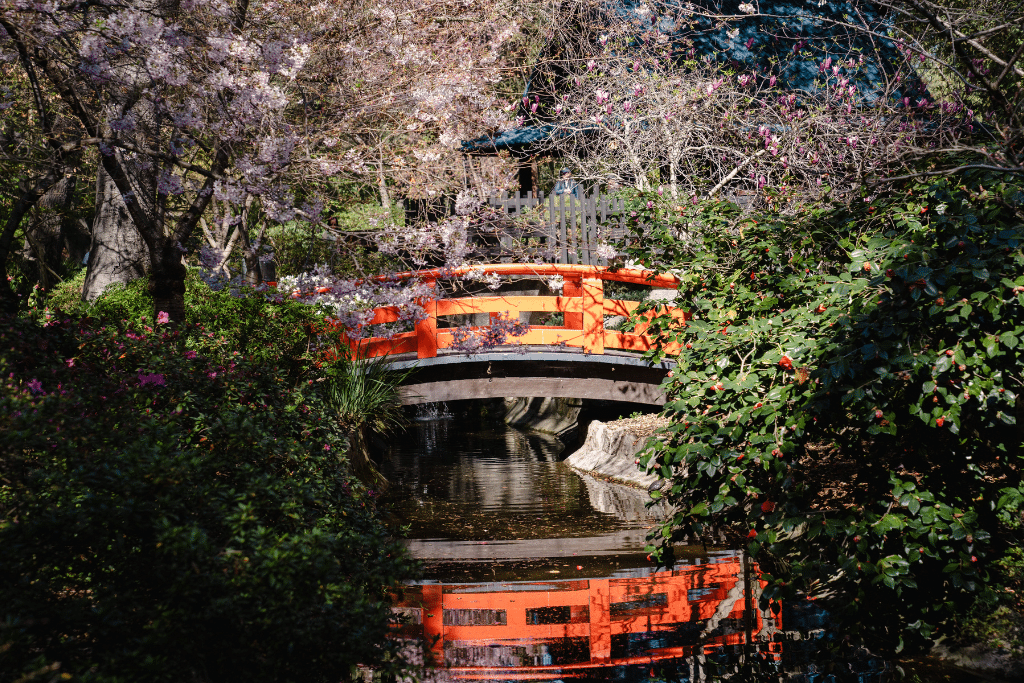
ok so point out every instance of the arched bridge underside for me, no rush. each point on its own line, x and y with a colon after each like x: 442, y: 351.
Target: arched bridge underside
x: 531, y: 371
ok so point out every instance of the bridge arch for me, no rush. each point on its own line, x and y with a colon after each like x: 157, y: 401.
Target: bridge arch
x: 533, y: 371
x: 577, y: 359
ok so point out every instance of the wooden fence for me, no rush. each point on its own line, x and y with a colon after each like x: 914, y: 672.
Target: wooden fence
x: 571, y: 227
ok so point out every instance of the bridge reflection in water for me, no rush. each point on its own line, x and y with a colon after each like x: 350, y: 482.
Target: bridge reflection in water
x: 619, y: 627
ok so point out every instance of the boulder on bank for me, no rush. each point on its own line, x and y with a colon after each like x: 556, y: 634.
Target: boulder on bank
x: 611, y: 449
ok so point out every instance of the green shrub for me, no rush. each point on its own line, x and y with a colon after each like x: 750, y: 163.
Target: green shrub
x: 259, y: 326
x: 346, y: 248
x: 66, y: 295
x: 997, y: 620
x: 169, y: 514
x: 847, y: 399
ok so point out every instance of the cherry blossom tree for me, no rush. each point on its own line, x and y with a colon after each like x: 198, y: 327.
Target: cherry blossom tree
x: 395, y: 85
x: 253, y: 104
x: 698, y: 99
x: 172, y: 95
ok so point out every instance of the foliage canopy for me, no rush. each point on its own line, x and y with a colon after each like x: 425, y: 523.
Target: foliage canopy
x: 172, y: 508
x: 848, y: 401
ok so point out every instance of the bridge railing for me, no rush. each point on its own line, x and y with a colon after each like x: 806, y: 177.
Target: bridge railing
x: 582, y: 303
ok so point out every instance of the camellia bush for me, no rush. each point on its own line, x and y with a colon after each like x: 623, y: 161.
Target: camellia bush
x: 847, y: 404
x: 173, y: 508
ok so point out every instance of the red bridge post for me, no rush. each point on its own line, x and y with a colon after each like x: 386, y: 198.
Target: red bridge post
x: 593, y: 315
x: 573, y: 287
x: 426, y: 330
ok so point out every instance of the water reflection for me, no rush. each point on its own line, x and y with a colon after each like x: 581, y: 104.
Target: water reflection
x: 470, y: 478
x: 613, y: 628
x: 537, y: 573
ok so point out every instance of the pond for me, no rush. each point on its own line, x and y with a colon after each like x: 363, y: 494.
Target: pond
x: 536, y: 572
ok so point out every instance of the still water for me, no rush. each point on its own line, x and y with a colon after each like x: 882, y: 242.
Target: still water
x: 534, y: 572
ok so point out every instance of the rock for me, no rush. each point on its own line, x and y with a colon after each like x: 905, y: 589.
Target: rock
x: 666, y: 295
x: 625, y: 502
x: 994, y: 665
x: 611, y: 450
x: 614, y: 322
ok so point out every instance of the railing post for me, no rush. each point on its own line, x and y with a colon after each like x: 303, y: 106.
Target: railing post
x: 593, y: 315
x: 600, y: 620
x: 426, y: 330
x: 433, y: 621
x: 573, y: 288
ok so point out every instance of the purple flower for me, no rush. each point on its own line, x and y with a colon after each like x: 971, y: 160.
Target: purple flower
x: 190, y: 354
x: 35, y: 386
x: 155, y: 379
x: 162, y: 318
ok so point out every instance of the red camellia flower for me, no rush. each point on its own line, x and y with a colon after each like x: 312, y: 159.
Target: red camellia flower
x: 878, y: 414
x: 786, y: 362
x: 752, y: 534
x: 767, y: 506
x: 939, y: 422
x: 820, y: 308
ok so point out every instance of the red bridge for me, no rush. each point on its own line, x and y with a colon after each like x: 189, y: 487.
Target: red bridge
x: 560, y: 629
x: 579, y: 358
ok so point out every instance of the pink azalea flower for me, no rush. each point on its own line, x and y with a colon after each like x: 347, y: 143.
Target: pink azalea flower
x: 156, y: 379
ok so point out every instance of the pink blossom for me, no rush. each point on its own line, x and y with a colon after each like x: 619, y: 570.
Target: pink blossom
x: 155, y: 379
x: 162, y: 318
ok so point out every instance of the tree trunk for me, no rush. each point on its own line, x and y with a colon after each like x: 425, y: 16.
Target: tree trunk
x: 45, y: 234
x: 167, y: 279
x: 28, y: 198
x: 117, y: 252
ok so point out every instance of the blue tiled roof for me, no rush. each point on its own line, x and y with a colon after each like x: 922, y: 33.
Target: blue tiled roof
x: 515, y: 138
